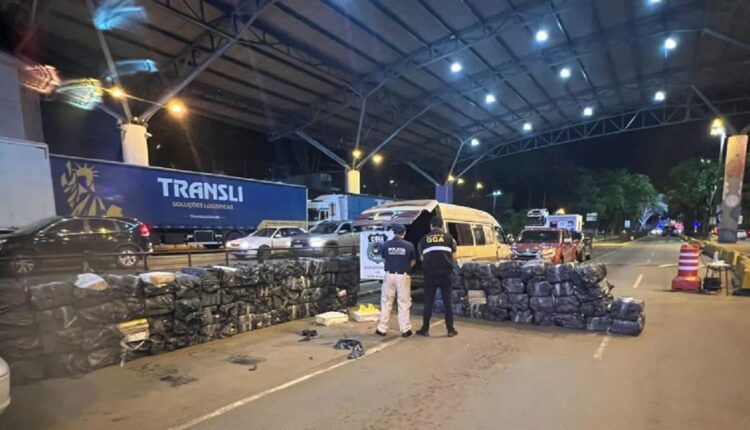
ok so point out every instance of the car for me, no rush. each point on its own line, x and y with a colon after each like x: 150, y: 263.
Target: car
x: 327, y: 238
x: 264, y: 242
x: 741, y: 234
x: 584, y: 243
x: 669, y: 231
x: 552, y: 244
x: 75, y: 236
x: 4, y: 385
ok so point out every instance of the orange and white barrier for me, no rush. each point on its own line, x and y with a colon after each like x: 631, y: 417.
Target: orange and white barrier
x: 687, y: 270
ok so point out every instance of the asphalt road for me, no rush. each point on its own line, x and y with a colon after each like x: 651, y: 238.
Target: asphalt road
x: 687, y: 370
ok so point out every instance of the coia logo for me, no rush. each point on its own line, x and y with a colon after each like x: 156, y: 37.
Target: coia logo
x: 373, y: 251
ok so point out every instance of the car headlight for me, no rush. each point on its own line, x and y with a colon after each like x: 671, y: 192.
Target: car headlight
x: 244, y: 245
x: 317, y: 243
x: 2, y: 242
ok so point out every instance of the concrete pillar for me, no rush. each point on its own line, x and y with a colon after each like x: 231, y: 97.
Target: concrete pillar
x: 444, y: 193
x: 352, y: 181
x: 134, y: 144
x: 731, y: 203
x: 20, y: 117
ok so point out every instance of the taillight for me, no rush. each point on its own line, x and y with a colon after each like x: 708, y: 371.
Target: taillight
x: 145, y: 230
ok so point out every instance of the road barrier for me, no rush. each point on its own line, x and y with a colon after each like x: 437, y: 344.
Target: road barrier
x: 687, y: 271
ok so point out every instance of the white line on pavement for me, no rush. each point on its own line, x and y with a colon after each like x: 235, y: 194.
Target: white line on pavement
x: 615, y: 250
x: 247, y: 400
x: 638, y: 281
x: 600, y: 351
x: 648, y: 261
x: 661, y: 266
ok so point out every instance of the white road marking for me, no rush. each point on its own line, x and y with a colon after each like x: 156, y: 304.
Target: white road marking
x: 638, y: 281
x: 247, y: 400
x: 615, y: 250
x: 648, y: 261
x: 667, y: 265
x: 599, y: 354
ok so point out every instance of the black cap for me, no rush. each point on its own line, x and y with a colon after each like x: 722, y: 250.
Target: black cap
x: 398, y: 229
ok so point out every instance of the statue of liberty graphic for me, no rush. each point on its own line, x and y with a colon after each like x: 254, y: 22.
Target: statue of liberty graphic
x: 79, y: 186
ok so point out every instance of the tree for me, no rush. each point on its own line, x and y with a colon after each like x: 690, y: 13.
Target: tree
x: 692, y: 185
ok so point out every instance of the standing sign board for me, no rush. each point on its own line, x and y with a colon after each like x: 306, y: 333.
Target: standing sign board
x: 370, y: 262
x: 731, y: 204
x: 627, y: 223
x: 591, y: 216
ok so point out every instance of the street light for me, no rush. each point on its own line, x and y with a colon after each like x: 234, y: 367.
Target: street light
x: 117, y: 92
x: 451, y: 178
x: 490, y: 99
x: 660, y: 96
x: 475, y: 142
x: 527, y: 126
x: 456, y: 67
x: 357, y: 153
x: 588, y: 111
x: 542, y: 36
x: 565, y: 72
x: 377, y: 159
x: 670, y: 43
x: 718, y: 128
x: 460, y: 181
x: 176, y: 107
x: 480, y: 186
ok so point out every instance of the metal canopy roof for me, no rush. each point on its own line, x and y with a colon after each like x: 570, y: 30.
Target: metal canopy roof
x: 307, y: 65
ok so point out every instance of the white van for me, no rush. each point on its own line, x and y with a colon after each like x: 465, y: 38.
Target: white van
x: 478, y: 234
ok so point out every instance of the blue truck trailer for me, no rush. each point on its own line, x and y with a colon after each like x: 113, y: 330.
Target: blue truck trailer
x: 179, y: 206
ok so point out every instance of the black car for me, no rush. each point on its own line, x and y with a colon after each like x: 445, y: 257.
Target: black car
x: 57, y: 236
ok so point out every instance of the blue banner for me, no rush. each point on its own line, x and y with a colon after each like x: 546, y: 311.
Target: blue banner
x: 166, y: 198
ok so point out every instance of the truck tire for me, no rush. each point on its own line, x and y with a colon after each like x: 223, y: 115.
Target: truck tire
x: 127, y: 257
x: 214, y: 246
x: 21, y: 264
x: 233, y: 235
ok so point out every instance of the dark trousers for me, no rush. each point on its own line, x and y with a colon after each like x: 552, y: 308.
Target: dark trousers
x: 431, y: 285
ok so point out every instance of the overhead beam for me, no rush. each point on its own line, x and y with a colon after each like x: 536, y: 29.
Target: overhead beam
x: 190, y: 63
x: 715, y: 110
x: 615, y: 124
x: 322, y: 148
x: 423, y: 173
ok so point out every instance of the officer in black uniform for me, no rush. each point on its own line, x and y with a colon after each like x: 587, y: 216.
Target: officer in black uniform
x: 437, y: 251
x: 399, y: 258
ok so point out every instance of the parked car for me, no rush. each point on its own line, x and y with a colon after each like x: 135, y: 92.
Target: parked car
x: 551, y: 244
x: 584, y: 243
x: 4, y: 385
x: 329, y: 238
x: 741, y: 234
x: 56, y: 236
x: 264, y: 242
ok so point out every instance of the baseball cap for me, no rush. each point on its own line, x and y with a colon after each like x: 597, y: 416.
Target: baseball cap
x: 398, y: 229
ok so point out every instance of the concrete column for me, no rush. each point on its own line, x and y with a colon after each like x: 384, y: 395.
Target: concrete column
x: 20, y: 117
x: 134, y: 144
x: 352, y: 181
x: 444, y: 193
x: 731, y: 204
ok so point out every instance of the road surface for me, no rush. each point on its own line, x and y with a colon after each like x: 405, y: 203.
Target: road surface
x: 687, y: 370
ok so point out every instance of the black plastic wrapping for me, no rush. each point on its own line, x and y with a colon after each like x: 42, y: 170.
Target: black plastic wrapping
x: 157, y: 283
x: 51, y: 295
x: 600, y: 324
x: 159, y: 305
x: 57, y: 318
x: 574, y: 321
x: 542, y: 304
x: 508, y: 269
x: 566, y: 304
x: 539, y: 288
x: 588, y: 274
x: 630, y: 328
x: 26, y: 371
x: 514, y: 286
x: 535, y: 269
x: 116, y: 311
x: 627, y: 308
x: 522, y: 317
x: 21, y: 348
x: 560, y: 272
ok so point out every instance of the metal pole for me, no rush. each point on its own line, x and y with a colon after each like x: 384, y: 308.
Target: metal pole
x: 359, y: 129
x: 455, y: 159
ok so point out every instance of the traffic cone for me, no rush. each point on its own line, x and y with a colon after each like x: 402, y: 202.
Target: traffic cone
x: 687, y: 270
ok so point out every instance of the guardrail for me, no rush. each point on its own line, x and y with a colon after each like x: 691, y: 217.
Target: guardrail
x: 94, y: 261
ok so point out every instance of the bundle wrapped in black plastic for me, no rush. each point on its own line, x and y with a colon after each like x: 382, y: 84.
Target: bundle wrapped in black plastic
x: 544, y: 319
x: 16, y: 315
x: 26, y: 371
x: 566, y: 304
x: 210, y: 277
x: 92, y: 290
x: 627, y: 327
x: 12, y: 296
x: 185, y: 309
x: 535, y: 269
x: 513, y: 286
x: 491, y: 285
x: 230, y: 276
x: 560, y: 272
x: 508, y: 269
x: 210, y: 299
x: 518, y: 302
x: 597, y: 307
x: 161, y: 324
x: 124, y: 286
x: 496, y: 301
x: 522, y: 317
x: 539, y: 288
x: 562, y: 289
x: 113, y: 312
x: 51, y: 295
x: 600, y: 324
x: 627, y: 308
x: 592, y: 292
x: 477, y: 311
x: 61, y: 341
x: 157, y: 283
x: 573, y: 320
x: 101, y: 337
x: 542, y: 304
x: 56, y: 319
x: 457, y: 281
x: 21, y: 348
x: 588, y: 274
x: 476, y: 270
x: 187, y: 286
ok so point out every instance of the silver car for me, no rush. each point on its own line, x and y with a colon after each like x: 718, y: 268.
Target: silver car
x: 327, y: 238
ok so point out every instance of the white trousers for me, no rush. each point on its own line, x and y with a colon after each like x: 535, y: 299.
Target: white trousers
x: 395, y: 286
